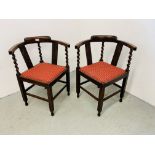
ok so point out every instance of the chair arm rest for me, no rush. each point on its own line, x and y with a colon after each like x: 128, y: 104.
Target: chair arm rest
x: 78, y: 45
x: 61, y: 43
x: 14, y: 48
x: 133, y: 47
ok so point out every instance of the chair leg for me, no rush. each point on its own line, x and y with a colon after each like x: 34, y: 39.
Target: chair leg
x: 100, y: 101
x: 50, y: 100
x: 22, y: 90
x: 124, y: 83
x: 68, y: 81
x: 77, y: 82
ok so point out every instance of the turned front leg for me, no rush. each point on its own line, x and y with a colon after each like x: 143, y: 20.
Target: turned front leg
x: 100, y: 100
x: 50, y: 100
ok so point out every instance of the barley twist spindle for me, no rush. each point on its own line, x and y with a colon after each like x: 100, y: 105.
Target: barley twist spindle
x: 40, y: 54
x: 15, y: 63
x: 78, y: 58
x: 102, y: 50
x: 129, y: 60
x: 67, y: 59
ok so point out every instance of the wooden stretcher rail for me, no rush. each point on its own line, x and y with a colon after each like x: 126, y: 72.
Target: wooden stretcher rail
x: 38, y: 97
x: 96, y: 97
x: 111, y: 95
x: 84, y: 82
x: 89, y: 93
x: 62, y: 81
x: 59, y: 91
x: 117, y: 85
x: 30, y: 87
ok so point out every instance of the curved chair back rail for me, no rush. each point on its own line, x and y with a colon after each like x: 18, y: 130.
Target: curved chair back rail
x: 103, y: 39
x: 38, y: 40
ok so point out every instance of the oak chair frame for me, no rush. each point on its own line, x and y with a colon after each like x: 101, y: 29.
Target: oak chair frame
x: 119, y: 45
x: 22, y: 47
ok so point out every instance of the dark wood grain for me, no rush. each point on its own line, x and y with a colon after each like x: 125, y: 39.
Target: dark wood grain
x: 88, y: 53
x: 54, y: 53
x: 102, y: 50
x: 50, y: 100
x: 26, y: 56
x: 117, y: 53
x: 103, y: 38
x: 100, y: 99
x: 37, y: 39
x: 129, y: 45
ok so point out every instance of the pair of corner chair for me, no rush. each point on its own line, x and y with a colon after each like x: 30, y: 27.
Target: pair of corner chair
x: 47, y: 74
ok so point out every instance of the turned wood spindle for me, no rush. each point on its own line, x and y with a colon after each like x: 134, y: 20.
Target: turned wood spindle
x: 66, y: 54
x: 15, y: 63
x: 78, y: 58
x: 129, y: 60
x: 102, y: 50
x: 40, y: 53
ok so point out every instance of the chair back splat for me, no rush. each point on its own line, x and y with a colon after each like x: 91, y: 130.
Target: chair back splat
x: 101, y: 73
x: 54, y: 53
x: 88, y: 53
x: 26, y: 56
x: 117, y: 53
x: 43, y: 74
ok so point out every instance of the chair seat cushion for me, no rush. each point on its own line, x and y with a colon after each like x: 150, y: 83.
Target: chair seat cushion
x: 102, y: 72
x: 44, y: 72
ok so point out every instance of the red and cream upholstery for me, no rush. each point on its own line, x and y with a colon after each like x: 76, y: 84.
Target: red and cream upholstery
x: 44, y: 72
x: 102, y: 71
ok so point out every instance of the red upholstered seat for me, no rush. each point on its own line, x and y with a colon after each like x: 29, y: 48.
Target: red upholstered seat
x: 102, y: 71
x: 44, y: 72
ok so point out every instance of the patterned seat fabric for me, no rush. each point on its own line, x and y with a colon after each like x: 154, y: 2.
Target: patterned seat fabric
x: 44, y: 72
x: 102, y: 72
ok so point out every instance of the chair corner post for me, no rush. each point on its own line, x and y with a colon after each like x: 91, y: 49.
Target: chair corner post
x: 100, y: 99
